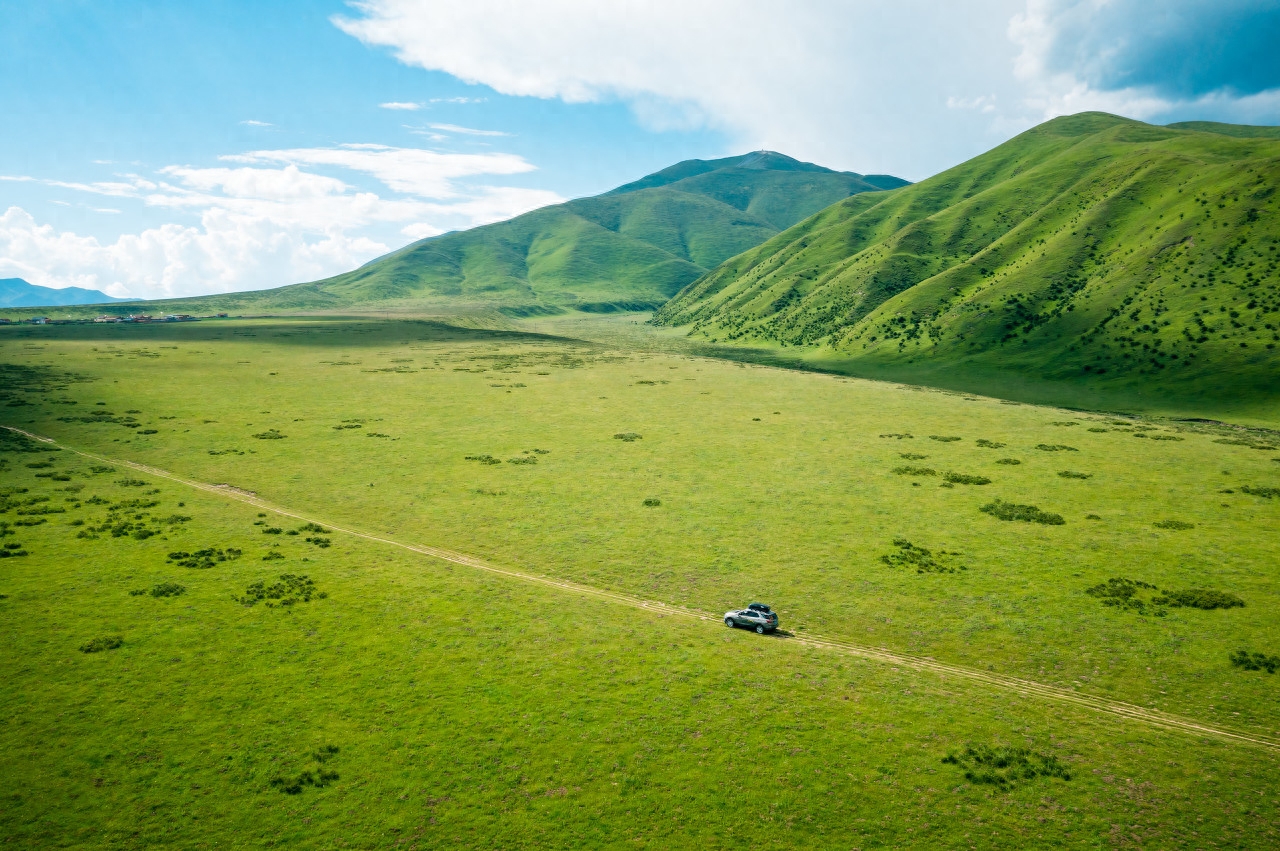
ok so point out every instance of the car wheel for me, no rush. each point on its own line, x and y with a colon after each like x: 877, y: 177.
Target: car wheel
x: 728, y: 622
x: 760, y: 630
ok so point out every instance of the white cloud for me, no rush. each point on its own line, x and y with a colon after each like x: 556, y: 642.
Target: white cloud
x: 466, y: 131
x: 251, y: 123
x: 264, y: 226
x: 414, y: 171
x: 458, y: 100
x: 410, y: 107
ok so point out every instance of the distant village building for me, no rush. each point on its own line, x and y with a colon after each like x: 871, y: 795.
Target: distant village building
x: 39, y: 320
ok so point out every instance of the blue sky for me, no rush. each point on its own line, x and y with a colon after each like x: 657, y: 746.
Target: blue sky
x: 159, y: 148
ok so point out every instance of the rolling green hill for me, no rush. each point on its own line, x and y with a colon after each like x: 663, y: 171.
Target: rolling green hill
x: 1122, y: 259
x: 633, y: 247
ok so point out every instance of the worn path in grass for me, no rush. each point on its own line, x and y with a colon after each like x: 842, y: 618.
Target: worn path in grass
x: 1025, y: 687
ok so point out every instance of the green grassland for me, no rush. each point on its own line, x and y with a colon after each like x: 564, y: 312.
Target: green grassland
x: 1092, y: 260
x: 474, y: 710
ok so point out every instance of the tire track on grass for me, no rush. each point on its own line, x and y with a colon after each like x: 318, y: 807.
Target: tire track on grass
x: 1026, y: 688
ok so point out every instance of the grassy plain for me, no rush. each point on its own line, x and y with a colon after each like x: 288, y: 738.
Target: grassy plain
x: 475, y: 711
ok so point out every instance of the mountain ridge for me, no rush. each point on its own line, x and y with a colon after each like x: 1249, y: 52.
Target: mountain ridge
x: 16, y: 292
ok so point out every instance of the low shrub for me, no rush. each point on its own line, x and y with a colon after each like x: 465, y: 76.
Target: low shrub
x: 1199, y: 598
x: 912, y: 456
x: 523, y: 459
x: 148, y: 431
x: 273, y: 530
x: 375, y: 434
x: 1164, y: 437
x: 131, y: 483
x: 206, y: 558
x: 483, y: 459
x: 943, y: 439
x: 924, y: 561
x: 1265, y: 493
x: 915, y: 471
x: 652, y: 503
x: 898, y: 436
x: 1071, y: 474
x: 990, y: 444
x: 1122, y: 593
x: 101, y: 469
x: 289, y: 591
x: 627, y: 436
x: 1065, y: 423
x: 1099, y: 430
x: 99, y: 645
x: 347, y: 425
x: 312, y: 527
x: 1093, y: 517
x: 1004, y: 766
x: 226, y: 452
x: 1055, y: 447
x: 962, y: 479
x: 168, y: 589
x: 318, y: 779
x: 1002, y: 510
x: 273, y: 555
x: 1173, y: 524
x: 1009, y: 461
x: 270, y: 434
x: 38, y: 465
x: 1255, y: 661
x: 322, y: 543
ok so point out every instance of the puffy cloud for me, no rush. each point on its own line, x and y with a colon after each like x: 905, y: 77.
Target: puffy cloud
x: 265, y: 226
x: 909, y: 87
x: 401, y: 105
x: 467, y: 131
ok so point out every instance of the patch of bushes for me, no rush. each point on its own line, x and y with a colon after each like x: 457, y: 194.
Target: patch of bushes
x: 1065, y: 423
x: 1265, y: 493
x: 1173, y: 524
x: 1002, y: 510
x: 1122, y: 593
x: 288, y: 591
x: 483, y: 459
x: 1255, y: 661
x: 1004, y: 766
x: 1096, y: 430
x: 1164, y: 437
x: 962, y: 479
x: 898, y: 436
x: 99, y: 645
x: 312, y: 527
x: 131, y: 483
x: 924, y: 561
x: 943, y: 439
x: 38, y: 465
x: 322, y: 543
x: 168, y: 589
x: 1055, y: 447
x: 375, y: 434
x: 627, y: 436
x: 206, y: 558
x: 11, y: 549
x: 318, y: 779
x: 273, y: 555
x: 1093, y: 517
x: 1071, y: 474
x: 523, y: 459
x: 912, y: 456
x: 269, y: 434
x: 1199, y: 598
x: 226, y: 452
x: 990, y: 444
x: 1009, y: 461
x: 652, y: 503
x: 273, y: 530
x: 98, y: 470
x: 347, y: 425
x: 908, y: 470
x: 148, y: 431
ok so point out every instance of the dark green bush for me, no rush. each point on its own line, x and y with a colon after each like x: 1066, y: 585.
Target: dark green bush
x: 990, y: 444
x: 312, y: 527
x: 98, y: 645
x: 168, y: 589
x: 1165, y: 437
x: 912, y: 456
x: 289, y: 591
x: 270, y: 434
x: 915, y: 471
x: 924, y: 561
x: 102, y: 469
x: 1009, y: 461
x: 1055, y: 447
x: 962, y: 479
x: 652, y: 503
x: 898, y: 436
x: 1199, y: 598
x: 273, y: 530
x: 483, y: 459
x: 1264, y: 492
x: 206, y: 558
x: 943, y: 439
x: 523, y: 459
x: 273, y: 555
x: 1122, y: 593
x: 131, y: 483
x: 1026, y: 513
x: 322, y: 543
x: 1173, y: 524
x: 1255, y: 661
x: 1004, y: 766
x: 1071, y: 474
x: 627, y: 436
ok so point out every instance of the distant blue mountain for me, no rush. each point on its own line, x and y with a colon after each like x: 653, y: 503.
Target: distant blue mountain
x: 15, y: 292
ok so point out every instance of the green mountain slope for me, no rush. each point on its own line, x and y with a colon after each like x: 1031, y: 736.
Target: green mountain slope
x: 1092, y: 250
x: 639, y: 243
